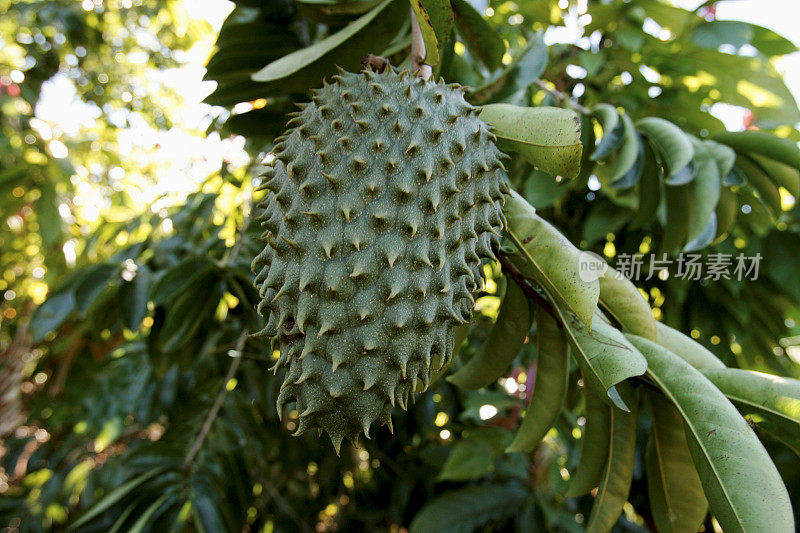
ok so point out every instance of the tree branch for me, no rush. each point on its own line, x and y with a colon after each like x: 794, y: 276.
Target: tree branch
x: 418, y: 50
x: 212, y: 414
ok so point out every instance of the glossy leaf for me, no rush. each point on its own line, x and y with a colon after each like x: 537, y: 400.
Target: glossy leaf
x: 501, y: 346
x: 301, y: 69
x: 612, y: 492
x: 669, y: 141
x: 604, y: 355
x: 479, y: 36
x: 742, y: 485
x: 649, y: 189
x: 626, y: 304
x: 628, y: 152
x: 518, y: 75
x: 469, y: 508
x: 772, y: 402
x: 468, y: 460
x: 762, y: 143
x: 553, y: 261
x: 549, y: 388
x: 133, y: 297
x: 595, y: 441
x: 704, y: 193
x: 686, y: 348
x: 781, y: 174
x: 435, y: 18
x: 548, y: 137
x: 673, y: 485
x: 613, y: 131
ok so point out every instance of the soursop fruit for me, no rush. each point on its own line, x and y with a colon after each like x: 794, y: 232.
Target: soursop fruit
x: 383, y: 197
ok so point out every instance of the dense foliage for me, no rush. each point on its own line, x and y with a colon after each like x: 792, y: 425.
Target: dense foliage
x: 132, y: 397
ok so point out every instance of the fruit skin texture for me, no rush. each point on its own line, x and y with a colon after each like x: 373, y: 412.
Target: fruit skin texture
x: 382, y: 199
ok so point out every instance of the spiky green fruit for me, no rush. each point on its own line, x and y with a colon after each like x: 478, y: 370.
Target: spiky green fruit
x: 383, y: 198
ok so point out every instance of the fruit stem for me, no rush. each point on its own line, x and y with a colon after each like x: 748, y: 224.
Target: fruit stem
x: 418, y: 50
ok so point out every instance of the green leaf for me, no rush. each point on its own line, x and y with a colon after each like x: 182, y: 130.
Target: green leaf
x: 306, y: 67
x: 783, y: 175
x: 180, y: 277
x: 501, y: 346
x: 704, y: 194
x: 613, y: 131
x: 114, y: 497
x: 670, y: 142
x: 605, y: 217
x: 468, y: 460
x: 47, y: 215
x: 628, y: 155
x: 548, y: 137
x: 145, y: 517
x: 552, y: 261
x: 550, y: 387
x: 595, y: 441
x: 435, y: 18
x: 467, y: 509
x: 673, y: 486
x: 542, y: 190
x: 52, y: 313
x: 185, y: 315
x: 767, y: 190
x: 714, y: 33
x: 649, y: 189
x: 627, y: 305
x: 612, y: 492
x: 743, y: 487
x: 686, y: 348
x: 762, y: 143
x: 604, y: 355
x: 518, y: 75
x: 133, y: 297
x: 772, y: 402
x: 479, y: 36
x: 727, y: 209
x: 723, y: 155
x: 675, y: 230
x: 95, y: 280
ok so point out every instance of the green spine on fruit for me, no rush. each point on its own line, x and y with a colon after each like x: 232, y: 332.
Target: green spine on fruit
x: 383, y: 197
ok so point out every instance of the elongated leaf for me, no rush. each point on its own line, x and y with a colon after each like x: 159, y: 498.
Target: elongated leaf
x: 634, y: 173
x: 742, y: 485
x: 467, y: 509
x: 686, y: 348
x: 518, y: 75
x: 553, y: 261
x: 306, y: 67
x: 113, y: 498
x: 186, y: 315
x: 783, y: 175
x: 669, y: 141
x: 772, y: 402
x: 144, y: 518
x: 673, y: 485
x: 96, y: 279
x: 723, y: 155
x: 627, y: 305
x: 595, y: 442
x: 47, y: 214
x: 704, y: 193
x: 604, y: 355
x: 605, y: 217
x: 133, y: 297
x: 550, y: 387
x: 727, y: 209
x: 612, y: 493
x: 613, y: 131
x: 51, y: 314
x: 479, y: 36
x: 628, y: 151
x: 649, y: 189
x: 501, y: 346
x: 678, y: 205
x: 468, y: 460
x: 767, y: 190
x: 548, y: 137
x: 180, y: 277
x: 435, y: 18
x: 762, y: 143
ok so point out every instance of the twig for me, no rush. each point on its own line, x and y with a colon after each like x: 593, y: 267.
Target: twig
x: 514, y: 273
x: 418, y: 50
x: 562, y: 98
x: 212, y: 414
